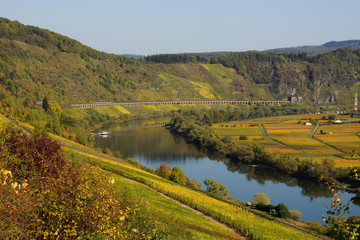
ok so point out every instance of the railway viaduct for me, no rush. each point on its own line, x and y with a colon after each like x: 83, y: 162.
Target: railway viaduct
x: 210, y: 102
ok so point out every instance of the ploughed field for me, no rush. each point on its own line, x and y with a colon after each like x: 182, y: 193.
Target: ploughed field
x: 290, y: 136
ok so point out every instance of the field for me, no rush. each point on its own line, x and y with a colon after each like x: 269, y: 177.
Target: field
x: 297, y: 136
x: 288, y: 135
x: 343, y: 137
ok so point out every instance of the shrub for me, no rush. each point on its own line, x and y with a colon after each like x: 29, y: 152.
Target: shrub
x: 164, y: 171
x: 49, y: 198
x: 17, y: 209
x: 30, y: 156
x: 282, y: 211
x: 295, y: 214
x: 260, y: 198
x: 177, y: 175
x: 243, y: 138
x: 216, y: 188
x: 227, y: 139
x: 195, y: 184
x: 265, y: 208
x: 117, y: 154
x: 107, y: 151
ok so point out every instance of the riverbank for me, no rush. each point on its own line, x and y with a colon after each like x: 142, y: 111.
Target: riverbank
x: 195, y: 131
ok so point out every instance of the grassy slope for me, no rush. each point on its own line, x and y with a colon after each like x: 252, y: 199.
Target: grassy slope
x: 246, y: 222
x: 238, y: 218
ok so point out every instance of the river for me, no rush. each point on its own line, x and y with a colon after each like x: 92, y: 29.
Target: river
x: 153, y: 146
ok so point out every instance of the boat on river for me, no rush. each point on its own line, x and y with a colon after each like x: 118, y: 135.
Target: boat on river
x: 103, y: 133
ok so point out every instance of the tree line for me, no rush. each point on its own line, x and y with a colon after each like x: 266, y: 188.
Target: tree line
x: 193, y: 125
x: 174, y: 58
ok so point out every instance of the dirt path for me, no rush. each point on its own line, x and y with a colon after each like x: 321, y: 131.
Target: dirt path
x: 192, y: 209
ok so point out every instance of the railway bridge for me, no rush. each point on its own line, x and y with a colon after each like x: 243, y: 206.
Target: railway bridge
x: 209, y: 102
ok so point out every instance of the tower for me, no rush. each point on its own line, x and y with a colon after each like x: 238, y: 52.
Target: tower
x: 356, y: 107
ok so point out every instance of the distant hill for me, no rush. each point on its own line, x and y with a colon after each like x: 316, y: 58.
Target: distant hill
x: 310, y: 50
x: 318, y: 49
x: 133, y: 56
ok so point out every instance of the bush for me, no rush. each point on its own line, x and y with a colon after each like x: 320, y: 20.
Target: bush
x: 295, y: 214
x: 44, y: 196
x: 30, y: 156
x: 264, y: 208
x: 215, y: 188
x: 177, y: 175
x: 243, y: 138
x: 260, y: 198
x: 227, y: 139
x: 282, y: 211
x: 107, y: 151
x: 164, y: 171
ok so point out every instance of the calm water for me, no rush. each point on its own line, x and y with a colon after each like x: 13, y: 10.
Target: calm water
x: 156, y: 145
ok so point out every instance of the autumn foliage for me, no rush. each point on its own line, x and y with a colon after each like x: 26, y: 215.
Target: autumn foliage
x: 45, y: 196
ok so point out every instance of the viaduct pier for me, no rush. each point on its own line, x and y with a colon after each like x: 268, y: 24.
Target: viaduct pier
x: 209, y: 102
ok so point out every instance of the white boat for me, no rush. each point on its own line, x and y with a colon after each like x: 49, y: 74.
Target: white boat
x: 104, y: 133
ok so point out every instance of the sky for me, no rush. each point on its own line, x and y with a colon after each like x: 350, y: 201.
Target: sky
x: 147, y: 27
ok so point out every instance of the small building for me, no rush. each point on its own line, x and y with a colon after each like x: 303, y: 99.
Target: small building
x: 342, y: 121
x: 308, y: 124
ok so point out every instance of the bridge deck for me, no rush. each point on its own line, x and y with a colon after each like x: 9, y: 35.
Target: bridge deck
x: 210, y: 102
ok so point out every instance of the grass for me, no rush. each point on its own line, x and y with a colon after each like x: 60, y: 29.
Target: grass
x: 218, y: 72
x: 112, y: 111
x: 167, y: 209
x: 75, y: 112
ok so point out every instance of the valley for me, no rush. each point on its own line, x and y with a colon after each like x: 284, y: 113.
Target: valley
x: 241, y: 124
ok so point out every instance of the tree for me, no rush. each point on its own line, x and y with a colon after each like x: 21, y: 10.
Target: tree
x: 195, y: 184
x: 295, y: 214
x: 54, y: 108
x: 214, y: 187
x: 164, y: 171
x: 45, y: 104
x: 282, y: 211
x: 340, y: 228
x: 260, y: 198
x: 177, y: 175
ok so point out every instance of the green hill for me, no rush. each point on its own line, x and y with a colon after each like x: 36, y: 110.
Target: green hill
x: 35, y: 63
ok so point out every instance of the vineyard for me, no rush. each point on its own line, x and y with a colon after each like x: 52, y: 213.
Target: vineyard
x: 244, y: 221
x: 289, y: 136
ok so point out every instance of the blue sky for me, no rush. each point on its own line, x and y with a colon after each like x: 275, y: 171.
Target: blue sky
x: 174, y: 26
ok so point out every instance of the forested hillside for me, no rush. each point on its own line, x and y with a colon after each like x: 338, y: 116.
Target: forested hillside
x: 37, y: 63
